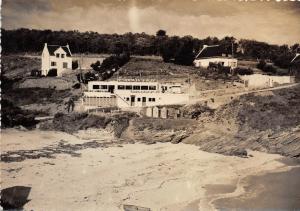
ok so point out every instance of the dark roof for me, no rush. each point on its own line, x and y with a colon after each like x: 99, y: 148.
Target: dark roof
x: 296, y: 59
x: 53, y: 48
x: 212, y: 51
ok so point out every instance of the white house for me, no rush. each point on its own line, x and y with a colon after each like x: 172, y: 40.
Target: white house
x: 58, y: 58
x: 124, y: 94
x: 214, y: 54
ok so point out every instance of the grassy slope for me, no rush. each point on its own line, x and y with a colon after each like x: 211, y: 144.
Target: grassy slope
x: 269, y: 122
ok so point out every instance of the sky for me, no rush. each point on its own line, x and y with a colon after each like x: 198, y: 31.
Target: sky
x: 272, y: 21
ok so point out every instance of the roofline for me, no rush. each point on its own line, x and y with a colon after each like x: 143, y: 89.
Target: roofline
x: 207, y: 46
x: 295, y: 57
x: 226, y: 57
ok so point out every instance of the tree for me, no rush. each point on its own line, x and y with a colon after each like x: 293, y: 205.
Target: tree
x: 185, y: 54
x: 161, y: 33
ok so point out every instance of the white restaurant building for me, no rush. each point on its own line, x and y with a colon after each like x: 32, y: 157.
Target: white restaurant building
x: 124, y: 94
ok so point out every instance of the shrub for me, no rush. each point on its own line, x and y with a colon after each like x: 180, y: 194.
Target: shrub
x: 243, y: 71
x: 269, y: 69
x: 52, y: 73
x: 36, y: 73
x: 75, y: 64
x: 261, y: 65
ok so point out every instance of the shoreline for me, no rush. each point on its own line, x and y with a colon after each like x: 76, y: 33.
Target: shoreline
x: 138, y: 174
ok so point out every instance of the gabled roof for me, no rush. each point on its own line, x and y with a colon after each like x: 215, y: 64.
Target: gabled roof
x: 296, y: 58
x: 53, y: 48
x: 211, y: 51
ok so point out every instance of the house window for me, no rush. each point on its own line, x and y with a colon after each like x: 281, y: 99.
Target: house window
x: 144, y: 87
x: 53, y: 64
x: 152, y: 87
x: 127, y: 99
x: 151, y: 99
x: 128, y: 87
x: 103, y: 86
x: 96, y: 86
x: 121, y: 87
x: 57, y: 55
x: 62, y: 55
x: 139, y: 99
x: 65, y: 65
x: 136, y: 87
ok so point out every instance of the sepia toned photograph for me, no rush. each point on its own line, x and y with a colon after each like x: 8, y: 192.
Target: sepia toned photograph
x: 150, y: 105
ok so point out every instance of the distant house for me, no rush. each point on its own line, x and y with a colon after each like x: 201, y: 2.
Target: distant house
x: 56, y: 59
x: 216, y: 55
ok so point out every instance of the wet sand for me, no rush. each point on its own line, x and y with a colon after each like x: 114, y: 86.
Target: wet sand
x: 280, y: 191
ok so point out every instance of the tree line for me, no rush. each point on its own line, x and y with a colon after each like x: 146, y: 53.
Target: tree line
x: 180, y: 50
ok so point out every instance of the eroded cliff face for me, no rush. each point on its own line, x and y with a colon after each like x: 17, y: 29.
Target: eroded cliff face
x: 267, y: 121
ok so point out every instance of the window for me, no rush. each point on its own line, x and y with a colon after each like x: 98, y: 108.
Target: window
x: 121, y: 87
x: 127, y: 99
x: 136, y: 87
x: 103, y: 86
x: 53, y: 63
x: 65, y: 65
x: 62, y: 55
x: 96, y: 86
x: 144, y: 87
x: 152, y: 87
x: 57, y: 55
x: 128, y: 87
x: 139, y: 99
x: 151, y: 99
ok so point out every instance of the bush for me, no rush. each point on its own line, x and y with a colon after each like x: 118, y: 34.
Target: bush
x: 261, y: 65
x: 12, y: 115
x: 269, y: 69
x: 75, y: 64
x: 243, y: 71
x: 52, y: 73
x: 36, y: 73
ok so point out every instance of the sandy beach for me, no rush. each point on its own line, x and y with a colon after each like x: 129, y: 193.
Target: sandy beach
x: 104, y: 174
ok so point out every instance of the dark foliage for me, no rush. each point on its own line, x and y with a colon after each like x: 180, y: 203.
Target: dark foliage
x: 12, y: 115
x: 26, y: 40
x: 243, y: 71
x: 75, y: 65
x: 36, y: 73
x: 52, y: 73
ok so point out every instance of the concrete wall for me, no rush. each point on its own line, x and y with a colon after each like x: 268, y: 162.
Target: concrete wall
x: 262, y: 81
x: 228, y: 62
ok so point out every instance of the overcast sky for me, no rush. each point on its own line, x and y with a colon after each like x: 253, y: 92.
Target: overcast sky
x: 270, y: 21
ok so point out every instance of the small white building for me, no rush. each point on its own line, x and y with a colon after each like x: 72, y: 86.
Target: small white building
x: 214, y: 54
x: 55, y: 57
x: 265, y: 81
x: 124, y: 94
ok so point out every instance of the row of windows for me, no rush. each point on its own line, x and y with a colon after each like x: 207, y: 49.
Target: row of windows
x: 136, y: 87
x: 65, y: 64
x: 139, y: 99
x: 61, y: 55
x: 126, y: 87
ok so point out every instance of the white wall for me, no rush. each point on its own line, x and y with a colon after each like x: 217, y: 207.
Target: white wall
x: 228, y: 62
x: 262, y: 81
x: 47, y: 59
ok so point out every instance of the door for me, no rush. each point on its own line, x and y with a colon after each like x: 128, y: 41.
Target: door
x: 132, y: 100
x: 111, y: 88
x: 144, y: 101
